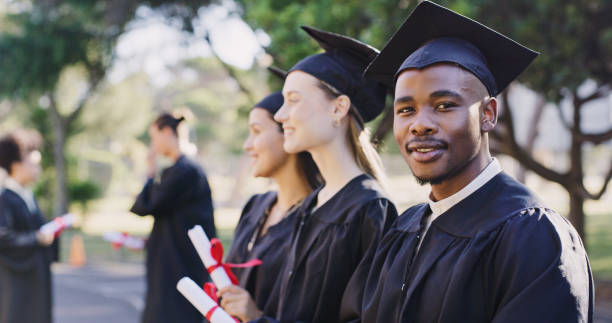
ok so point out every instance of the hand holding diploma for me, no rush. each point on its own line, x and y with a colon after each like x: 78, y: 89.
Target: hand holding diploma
x: 57, y: 225
x: 203, y: 302
x: 237, y: 302
x: 211, y: 253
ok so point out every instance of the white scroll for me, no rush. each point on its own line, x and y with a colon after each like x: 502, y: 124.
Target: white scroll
x: 119, y: 239
x: 202, y: 245
x: 204, y: 303
x: 58, y: 224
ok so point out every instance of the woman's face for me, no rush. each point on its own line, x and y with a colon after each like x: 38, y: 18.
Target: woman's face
x: 307, y: 113
x: 162, y: 140
x: 264, y: 144
x: 28, y: 170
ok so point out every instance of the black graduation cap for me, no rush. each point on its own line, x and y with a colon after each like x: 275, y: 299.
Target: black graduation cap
x: 281, y: 74
x: 434, y: 34
x: 274, y: 101
x: 341, y: 66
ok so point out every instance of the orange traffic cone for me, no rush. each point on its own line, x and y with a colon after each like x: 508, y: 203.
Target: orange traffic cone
x: 77, y: 251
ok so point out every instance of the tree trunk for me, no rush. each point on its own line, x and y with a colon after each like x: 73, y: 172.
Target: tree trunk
x: 60, y: 205
x: 384, y: 127
x: 576, y: 214
x: 576, y: 173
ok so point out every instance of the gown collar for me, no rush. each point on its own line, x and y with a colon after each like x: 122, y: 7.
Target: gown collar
x: 439, y: 207
x: 25, y: 194
x: 490, y: 205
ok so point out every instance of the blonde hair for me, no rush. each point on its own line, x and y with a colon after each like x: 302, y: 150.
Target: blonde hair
x: 359, y: 139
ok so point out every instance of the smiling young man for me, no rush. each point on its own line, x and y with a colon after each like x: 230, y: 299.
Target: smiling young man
x: 484, y: 248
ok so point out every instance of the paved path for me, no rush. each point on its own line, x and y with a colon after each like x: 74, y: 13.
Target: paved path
x: 100, y: 293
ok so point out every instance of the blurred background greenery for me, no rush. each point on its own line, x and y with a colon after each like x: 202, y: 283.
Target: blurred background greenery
x: 91, y: 75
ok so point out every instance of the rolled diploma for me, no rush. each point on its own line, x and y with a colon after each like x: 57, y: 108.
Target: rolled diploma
x: 113, y: 236
x: 134, y: 243
x: 55, y: 225
x: 202, y: 245
x: 200, y: 300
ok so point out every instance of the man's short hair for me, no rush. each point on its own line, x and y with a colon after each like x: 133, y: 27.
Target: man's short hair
x: 16, y: 145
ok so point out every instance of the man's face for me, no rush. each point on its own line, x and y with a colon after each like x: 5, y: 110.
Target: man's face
x: 438, y: 120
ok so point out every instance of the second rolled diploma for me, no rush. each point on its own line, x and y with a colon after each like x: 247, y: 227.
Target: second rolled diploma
x: 204, y: 303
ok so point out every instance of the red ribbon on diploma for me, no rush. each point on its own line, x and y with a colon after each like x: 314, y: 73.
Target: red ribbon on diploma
x: 59, y: 221
x: 211, y: 290
x: 216, y: 251
x: 117, y: 244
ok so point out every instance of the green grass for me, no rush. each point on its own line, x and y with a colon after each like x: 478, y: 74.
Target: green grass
x: 96, y: 249
x: 599, y: 245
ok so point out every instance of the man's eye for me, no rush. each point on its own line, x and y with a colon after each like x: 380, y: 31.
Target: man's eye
x: 445, y: 105
x: 404, y: 110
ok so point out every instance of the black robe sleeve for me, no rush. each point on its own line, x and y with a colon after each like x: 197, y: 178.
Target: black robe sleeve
x: 537, y: 270
x: 18, y: 249
x: 157, y: 198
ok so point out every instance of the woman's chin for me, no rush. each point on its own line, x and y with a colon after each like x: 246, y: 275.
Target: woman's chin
x: 291, y: 147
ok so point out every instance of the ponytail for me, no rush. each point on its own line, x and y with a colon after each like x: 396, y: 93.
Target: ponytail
x: 167, y: 120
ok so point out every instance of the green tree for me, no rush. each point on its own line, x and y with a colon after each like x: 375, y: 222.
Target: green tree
x: 575, y: 39
x: 44, y: 39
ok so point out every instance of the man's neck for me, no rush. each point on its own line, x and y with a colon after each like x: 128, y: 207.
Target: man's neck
x: 458, y: 181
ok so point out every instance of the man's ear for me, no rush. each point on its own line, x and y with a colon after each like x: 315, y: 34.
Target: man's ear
x: 488, y: 115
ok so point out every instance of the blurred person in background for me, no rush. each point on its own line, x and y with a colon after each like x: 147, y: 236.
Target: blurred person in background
x: 25, y: 252
x: 178, y: 199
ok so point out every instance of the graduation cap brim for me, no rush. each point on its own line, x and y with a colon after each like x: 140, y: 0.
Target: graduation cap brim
x: 505, y: 58
x: 281, y: 74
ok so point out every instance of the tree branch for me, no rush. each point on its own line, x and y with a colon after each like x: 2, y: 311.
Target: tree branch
x: 565, y: 123
x: 598, y: 93
x: 513, y: 149
x: 596, y: 138
x: 385, y: 125
x: 94, y: 80
x: 597, y: 196
x: 230, y: 71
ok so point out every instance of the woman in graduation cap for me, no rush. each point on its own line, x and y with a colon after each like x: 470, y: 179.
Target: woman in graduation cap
x: 25, y: 255
x: 326, y: 105
x: 178, y: 199
x: 267, y: 220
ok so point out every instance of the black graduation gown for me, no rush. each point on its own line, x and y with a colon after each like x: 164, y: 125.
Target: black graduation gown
x: 25, y: 275
x: 326, y: 247
x: 498, y: 255
x: 179, y: 201
x: 270, y: 248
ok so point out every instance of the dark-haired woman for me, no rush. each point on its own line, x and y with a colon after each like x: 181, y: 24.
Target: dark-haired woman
x: 25, y: 255
x: 267, y: 220
x: 178, y: 199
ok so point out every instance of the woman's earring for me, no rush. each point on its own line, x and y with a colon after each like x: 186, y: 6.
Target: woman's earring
x: 336, y: 122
